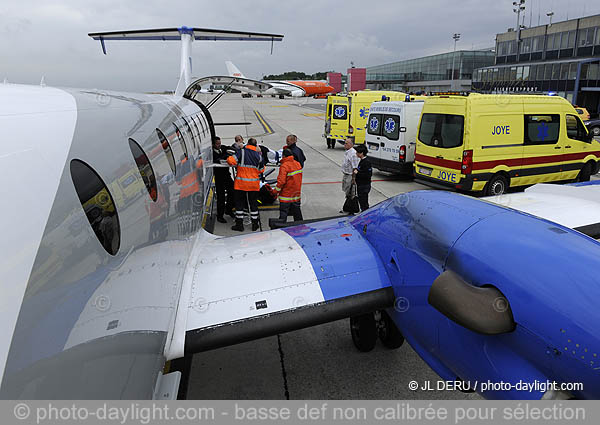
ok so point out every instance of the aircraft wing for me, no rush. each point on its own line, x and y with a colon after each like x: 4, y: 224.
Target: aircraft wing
x: 261, y: 284
x: 576, y: 206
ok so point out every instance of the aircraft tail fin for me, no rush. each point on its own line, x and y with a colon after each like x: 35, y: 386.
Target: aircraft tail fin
x: 233, y: 71
x: 186, y: 35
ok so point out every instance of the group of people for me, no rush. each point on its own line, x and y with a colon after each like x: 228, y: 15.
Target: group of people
x: 248, y: 160
x: 243, y: 192
x: 356, y: 175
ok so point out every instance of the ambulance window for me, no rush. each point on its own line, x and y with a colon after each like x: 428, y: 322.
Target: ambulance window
x: 442, y: 130
x: 167, y: 149
x: 391, y: 126
x: 180, y: 137
x: 575, y: 129
x: 375, y: 124
x: 541, y: 129
x: 98, y: 205
x: 145, y: 168
x: 340, y: 112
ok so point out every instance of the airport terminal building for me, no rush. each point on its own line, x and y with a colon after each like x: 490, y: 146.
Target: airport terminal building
x: 563, y: 57
x: 430, y: 73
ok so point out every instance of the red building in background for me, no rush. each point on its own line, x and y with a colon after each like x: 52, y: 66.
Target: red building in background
x: 334, y: 79
x: 357, y: 79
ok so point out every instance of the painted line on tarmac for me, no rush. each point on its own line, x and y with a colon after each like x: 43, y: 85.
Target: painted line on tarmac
x: 263, y: 122
x: 339, y: 182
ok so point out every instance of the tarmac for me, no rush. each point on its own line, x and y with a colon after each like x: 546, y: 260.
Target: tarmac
x: 319, y: 362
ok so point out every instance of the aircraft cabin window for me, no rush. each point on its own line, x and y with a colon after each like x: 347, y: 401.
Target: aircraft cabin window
x: 196, y: 127
x: 178, y: 133
x: 201, y: 125
x: 167, y: 148
x: 190, y: 132
x: 98, y: 205
x: 145, y: 168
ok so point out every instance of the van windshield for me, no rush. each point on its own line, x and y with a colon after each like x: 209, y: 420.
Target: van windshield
x: 442, y: 130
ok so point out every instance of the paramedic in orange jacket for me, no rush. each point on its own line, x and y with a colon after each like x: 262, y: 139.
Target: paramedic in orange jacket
x: 249, y: 166
x: 289, y: 186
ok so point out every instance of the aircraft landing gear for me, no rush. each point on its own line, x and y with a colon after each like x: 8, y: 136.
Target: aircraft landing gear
x: 367, y: 327
x: 389, y: 334
x: 364, y: 331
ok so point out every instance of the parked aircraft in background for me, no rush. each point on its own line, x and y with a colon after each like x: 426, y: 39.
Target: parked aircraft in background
x: 108, y: 272
x: 297, y: 88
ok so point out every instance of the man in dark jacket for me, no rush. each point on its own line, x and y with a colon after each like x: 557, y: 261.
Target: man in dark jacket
x: 362, y: 176
x: 290, y: 141
x: 223, y: 182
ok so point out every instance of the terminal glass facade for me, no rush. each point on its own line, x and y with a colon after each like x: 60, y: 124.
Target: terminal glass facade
x: 563, y: 58
x: 430, y: 68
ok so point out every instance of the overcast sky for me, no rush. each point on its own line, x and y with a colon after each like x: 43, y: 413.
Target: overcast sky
x: 49, y: 38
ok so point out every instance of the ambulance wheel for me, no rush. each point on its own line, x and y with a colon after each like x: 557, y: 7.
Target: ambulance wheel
x: 595, y: 131
x: 389, y: 334
x: 498, y: 185
x: 585, y: 173
x: 364, y: 332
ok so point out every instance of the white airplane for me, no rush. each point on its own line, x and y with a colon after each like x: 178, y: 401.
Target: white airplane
x: 108, y: 272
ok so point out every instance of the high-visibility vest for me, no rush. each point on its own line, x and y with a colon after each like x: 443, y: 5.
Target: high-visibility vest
x: 249, y: 167
x: 289, y: 180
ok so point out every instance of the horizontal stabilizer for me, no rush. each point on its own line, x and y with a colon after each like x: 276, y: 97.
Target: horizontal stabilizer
x: 175, y: 34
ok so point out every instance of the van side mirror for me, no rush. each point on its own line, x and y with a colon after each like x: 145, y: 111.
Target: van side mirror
x: 590, y: 137
x: 402, y: 129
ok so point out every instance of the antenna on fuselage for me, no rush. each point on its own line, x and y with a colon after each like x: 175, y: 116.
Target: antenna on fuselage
x: 187, y: 35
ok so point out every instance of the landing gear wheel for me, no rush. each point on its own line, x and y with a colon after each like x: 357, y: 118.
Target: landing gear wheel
x: 585, y: 173
x: 364, y: 332
x: 389, y: 334
x: 498, y: 185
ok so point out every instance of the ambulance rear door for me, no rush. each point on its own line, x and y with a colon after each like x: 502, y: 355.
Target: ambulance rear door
x: 337, y: 112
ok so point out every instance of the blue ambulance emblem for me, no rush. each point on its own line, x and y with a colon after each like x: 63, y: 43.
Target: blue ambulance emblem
x: 390, y: 125
x: 364, y: 112
x: 339, y: 112
x: 543, y: 131
x: 374, y: 123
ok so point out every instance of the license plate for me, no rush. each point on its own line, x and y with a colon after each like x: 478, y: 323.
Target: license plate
x: 425, y: 171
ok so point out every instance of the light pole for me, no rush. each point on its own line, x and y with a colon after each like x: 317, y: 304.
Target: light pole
x: 456, y: 37
x: 550, y: 14
x: 519, y: 6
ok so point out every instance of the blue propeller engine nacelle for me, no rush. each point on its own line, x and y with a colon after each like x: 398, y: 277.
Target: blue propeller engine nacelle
x: 488, y: 295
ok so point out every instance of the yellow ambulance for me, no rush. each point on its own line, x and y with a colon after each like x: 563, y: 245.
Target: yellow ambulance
x: 492, y: 142
x: 346, y: 115
x: 336, y: 119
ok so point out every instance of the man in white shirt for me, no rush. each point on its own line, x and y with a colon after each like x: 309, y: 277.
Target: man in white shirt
x: 349, y: 167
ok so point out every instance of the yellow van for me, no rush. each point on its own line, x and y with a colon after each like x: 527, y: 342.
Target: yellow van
x: 492, y: 142
x: 336, y: 119
x: 346, y: 115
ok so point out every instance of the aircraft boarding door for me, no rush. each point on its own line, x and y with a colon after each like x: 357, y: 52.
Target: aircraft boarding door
x: 338, y: 113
